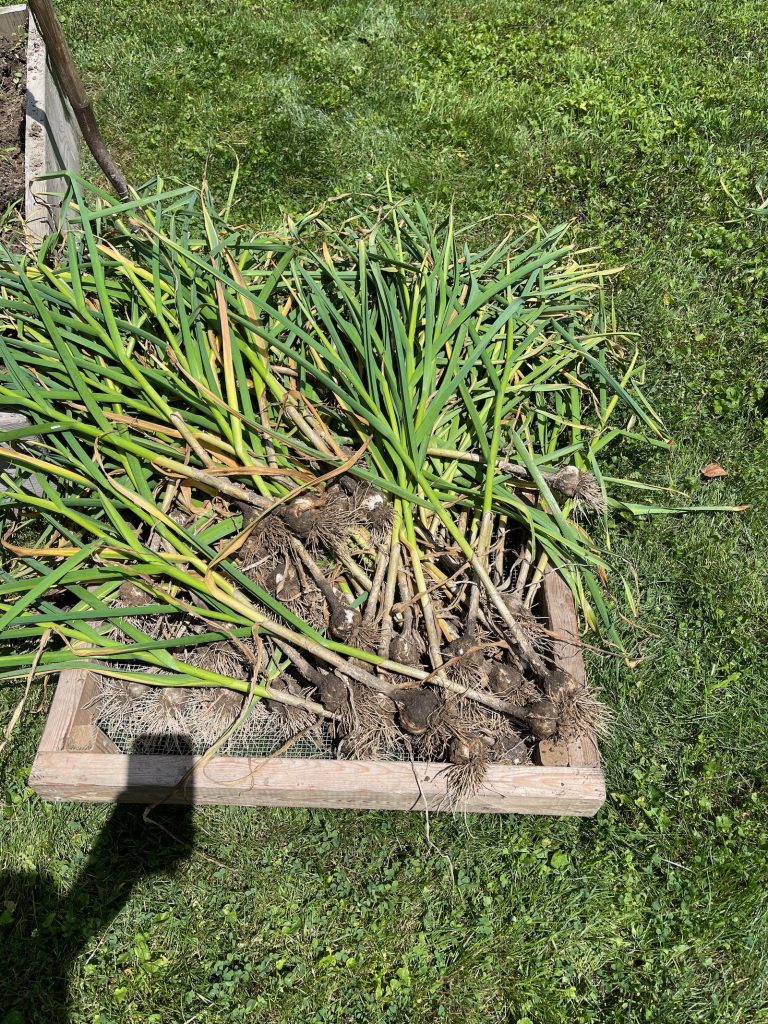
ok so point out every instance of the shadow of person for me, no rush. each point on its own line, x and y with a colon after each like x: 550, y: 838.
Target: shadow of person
x: 44, y: 932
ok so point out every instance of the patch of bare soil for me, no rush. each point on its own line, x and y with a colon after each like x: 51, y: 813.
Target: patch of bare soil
x: 13, y: 91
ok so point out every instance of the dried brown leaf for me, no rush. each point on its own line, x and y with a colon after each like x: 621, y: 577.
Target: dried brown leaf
x: 712, y: 470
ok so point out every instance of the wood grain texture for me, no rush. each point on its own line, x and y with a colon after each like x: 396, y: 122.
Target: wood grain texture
x: 83, y: 733
x: 13, y: 19
x: 562, y: 622
x: 66, y: 703
x: 577, y: 751
x: 569, y: 782
x: 303, y: 782
x: 13, y: 420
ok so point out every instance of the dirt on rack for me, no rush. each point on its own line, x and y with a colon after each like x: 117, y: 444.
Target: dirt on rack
x: 13, y: 91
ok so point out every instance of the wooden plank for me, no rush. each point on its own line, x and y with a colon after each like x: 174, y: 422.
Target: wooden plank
x: 582, y: 750
x: 52, y: 137
x: 562, y: 622
x: 53, y: 141
x: 83, y: 733
x: 64, y: 708
x: 13, y: 20
x: 304, y: 782
x: 13, y: 420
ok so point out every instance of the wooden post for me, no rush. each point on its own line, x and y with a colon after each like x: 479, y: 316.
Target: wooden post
x: 63, y: 62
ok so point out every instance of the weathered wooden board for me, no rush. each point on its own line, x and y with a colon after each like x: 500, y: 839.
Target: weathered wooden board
x: 13, y: 19
x: 63, y: 770
x: 300, y: 782
x: 52, y: 136
x: 15, y: 421
x: 578, y: 751
x: 52, y: 141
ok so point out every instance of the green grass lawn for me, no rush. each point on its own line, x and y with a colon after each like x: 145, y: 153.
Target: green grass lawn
x: 646, y: 123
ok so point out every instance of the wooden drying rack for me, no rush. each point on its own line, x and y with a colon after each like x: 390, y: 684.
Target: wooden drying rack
x: 77, y: 761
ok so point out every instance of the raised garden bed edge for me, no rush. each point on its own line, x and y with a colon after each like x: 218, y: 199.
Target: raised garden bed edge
x: 52, y: 137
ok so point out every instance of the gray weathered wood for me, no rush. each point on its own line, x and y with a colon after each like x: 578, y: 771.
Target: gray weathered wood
x: 12, y: 421
x: 13, y: 20
x: 83, y: 733
x: 52, y: 140
x: 581, y: 750
x: 300, y: 782
x: 9, y: 421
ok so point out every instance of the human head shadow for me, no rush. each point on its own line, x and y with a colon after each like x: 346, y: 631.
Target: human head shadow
x: 44, y: 931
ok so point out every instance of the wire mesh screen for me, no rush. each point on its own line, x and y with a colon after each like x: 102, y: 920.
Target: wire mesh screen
x: 259, y: 738
x: 243, y: 743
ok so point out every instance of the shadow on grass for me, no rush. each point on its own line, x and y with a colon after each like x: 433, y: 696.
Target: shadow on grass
x: 43, y: 932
